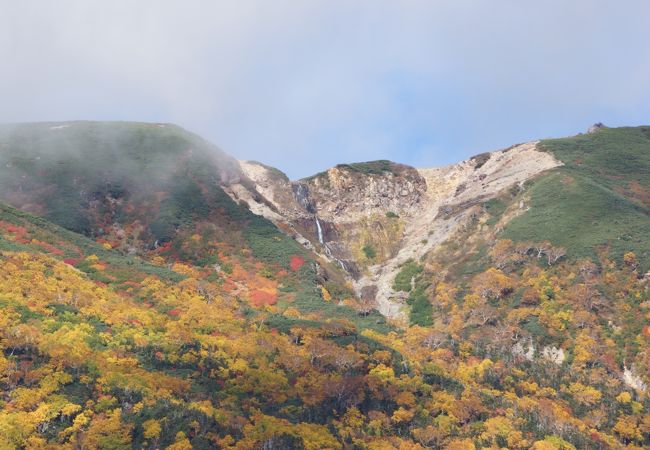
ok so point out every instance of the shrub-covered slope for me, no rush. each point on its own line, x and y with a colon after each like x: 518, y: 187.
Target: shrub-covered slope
x: 225, y: 333
x: 151, y: 179
x: 600, y: 197
x: 100, y: 350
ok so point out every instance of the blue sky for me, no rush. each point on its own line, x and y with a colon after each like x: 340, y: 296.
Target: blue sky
x: 304, y: 85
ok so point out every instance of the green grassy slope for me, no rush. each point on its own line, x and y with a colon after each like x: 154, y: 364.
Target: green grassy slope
x: 600, y: 197
x: 84, y: 175
x: 132, y: 184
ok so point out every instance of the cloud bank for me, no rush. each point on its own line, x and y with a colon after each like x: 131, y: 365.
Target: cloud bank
x: 305, y: 85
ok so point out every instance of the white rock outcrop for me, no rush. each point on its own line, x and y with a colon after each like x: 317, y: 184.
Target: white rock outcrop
x: 432, y: 205
x: 633, y: 380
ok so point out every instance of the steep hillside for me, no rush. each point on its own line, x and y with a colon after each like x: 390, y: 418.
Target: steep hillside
x: 373, y: 217
x: 98, y: 348
x: 157, y: 191
x: 22, y: 232
x: 583, y: 194
x: 101, y: 350
x: 205, y: 303
x: 599, y: 198
x: 146, y: 188
x: 132, y: 182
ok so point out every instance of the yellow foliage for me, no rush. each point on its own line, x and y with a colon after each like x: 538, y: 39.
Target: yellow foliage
x: 151, y: 338
x: 291, y: 312
x: 502, y: 427
x: 552, y: 443
x: 152, y: 429
x: 583, y: 394
x: 624, y: 397
x: 460, y: 444
x: 184, y: 269
x: 204, y: 406
x: 627, y: 428
x: 181, y: 442
x: 472, y: 373
x: 383, y: 372
x: 582, y: 350
x: 158, y: 260
x: 402, y: 415
x: 108, y: 431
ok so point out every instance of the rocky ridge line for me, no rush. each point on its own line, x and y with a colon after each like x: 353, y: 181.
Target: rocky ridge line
x: 402, y: 211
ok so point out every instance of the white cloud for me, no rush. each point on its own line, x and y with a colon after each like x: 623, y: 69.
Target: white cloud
x: 303, y: 85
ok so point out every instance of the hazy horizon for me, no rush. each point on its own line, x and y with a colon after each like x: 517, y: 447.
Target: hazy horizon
x: 305, y: 86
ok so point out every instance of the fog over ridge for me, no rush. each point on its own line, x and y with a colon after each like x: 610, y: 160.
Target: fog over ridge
x: 306, y: 85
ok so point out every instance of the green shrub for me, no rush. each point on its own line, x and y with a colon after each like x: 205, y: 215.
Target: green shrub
x: 370, y: 167
x: 421, y: 309
x: 481, y: 159
x: 409, y: 270
x: 495, y: 207
x: 369, y: 251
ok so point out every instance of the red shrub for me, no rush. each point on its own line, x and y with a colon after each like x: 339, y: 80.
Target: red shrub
x: 50, y: 248
x: 296, y: 262
x: 260, y: 298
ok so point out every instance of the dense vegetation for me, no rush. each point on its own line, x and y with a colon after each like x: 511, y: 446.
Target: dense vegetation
x: 370, y: 167
x: 192, y: 323
x: 378, y: 167
x: 601, y: 196
x: 88, y: 176
x: 194, y: 358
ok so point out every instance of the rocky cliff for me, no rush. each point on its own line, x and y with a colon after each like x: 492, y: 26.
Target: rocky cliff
x: 370, y: 218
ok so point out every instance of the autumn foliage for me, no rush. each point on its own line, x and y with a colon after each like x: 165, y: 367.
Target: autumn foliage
x: 99, y: 351
x: 296, y: 262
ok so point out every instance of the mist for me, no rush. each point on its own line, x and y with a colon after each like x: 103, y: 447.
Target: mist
x: 304, y: 86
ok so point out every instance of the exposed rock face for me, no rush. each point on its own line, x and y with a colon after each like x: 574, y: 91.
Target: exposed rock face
x: 524, y: 350
x: 554, y: 354
x: 633, y: 380
x: 348, y: 193
x: 370, y: 218
x: 595, y: 127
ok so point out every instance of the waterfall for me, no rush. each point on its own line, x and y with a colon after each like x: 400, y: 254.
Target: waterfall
x: 301, y: 194
x: 328, y: 251
x: 320, y: 231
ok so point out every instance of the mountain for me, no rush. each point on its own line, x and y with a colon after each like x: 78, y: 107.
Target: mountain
x: 152, y: 189
x: 157, y: 293
x: 90, y: 176
x: 579, y: 193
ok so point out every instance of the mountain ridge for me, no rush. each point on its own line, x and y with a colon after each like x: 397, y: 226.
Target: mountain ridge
x: 193, y: 310
x: 428, y: 199
x: 368, y: 219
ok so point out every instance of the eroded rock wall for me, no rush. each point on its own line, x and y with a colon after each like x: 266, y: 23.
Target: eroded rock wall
x: 370, y: 218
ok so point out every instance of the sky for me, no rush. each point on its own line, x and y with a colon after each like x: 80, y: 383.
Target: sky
x: 303, y: 85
